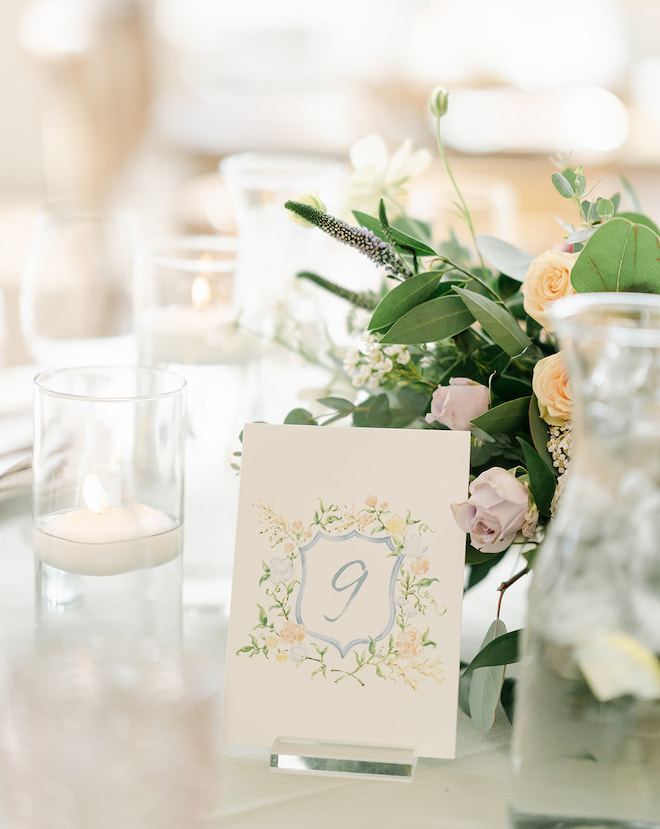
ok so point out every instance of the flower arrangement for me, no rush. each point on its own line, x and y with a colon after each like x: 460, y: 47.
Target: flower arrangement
x: 461, y: 339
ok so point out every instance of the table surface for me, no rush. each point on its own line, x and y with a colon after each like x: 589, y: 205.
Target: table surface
x: 468, y: 792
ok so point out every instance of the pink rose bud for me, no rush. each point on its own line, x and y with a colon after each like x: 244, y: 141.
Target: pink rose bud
x: 497, y: 509
x: 458, y: 403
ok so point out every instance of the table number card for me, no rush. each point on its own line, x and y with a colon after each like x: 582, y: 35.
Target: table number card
x: 348, y: 583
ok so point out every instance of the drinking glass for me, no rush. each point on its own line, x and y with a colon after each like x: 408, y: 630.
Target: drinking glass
x: 75, y: 296
x: 107, y: 503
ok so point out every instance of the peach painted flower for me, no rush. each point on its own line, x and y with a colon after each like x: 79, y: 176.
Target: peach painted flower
x: 297, y: 525
x: 371, y: 500
x: 548, y: 279
x: 395, y: 525
x: 288, y: 547
x: 419, y: 566
x: 292, y: 632
x: 458, y: 403
x: 552, y: 389
x: 497, y: 509
x: 409, y: 643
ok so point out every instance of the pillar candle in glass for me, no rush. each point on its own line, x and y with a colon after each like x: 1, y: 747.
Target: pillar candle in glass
x: 108, y: 468
x: 186, y: 320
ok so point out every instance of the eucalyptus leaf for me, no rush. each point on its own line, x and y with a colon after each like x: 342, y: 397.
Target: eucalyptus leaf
x: 486, y: 685
x: 403, y: 297
x: 542, y: 481
x: 433, y: 320
x: 501, y: 651
x: 506, y: 258
x: 620, y: 256
x: 339, y: 404
x: 300, y: 417
x: 509, y: 417
x: 497, y: 322
x: 640, y: 219
x: 562, y: 186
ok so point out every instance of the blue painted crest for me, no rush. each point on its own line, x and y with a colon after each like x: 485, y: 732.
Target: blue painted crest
x: 347, y: 589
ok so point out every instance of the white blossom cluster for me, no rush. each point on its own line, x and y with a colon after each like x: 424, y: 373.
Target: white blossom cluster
x: 560, y: 444
x: 368, y: 365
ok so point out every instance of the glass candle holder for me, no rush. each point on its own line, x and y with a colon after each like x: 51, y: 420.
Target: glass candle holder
x: 185, y: 320
x: 108, y: 470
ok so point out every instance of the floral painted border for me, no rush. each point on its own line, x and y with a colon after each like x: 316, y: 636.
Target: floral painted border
x: 406, y: 655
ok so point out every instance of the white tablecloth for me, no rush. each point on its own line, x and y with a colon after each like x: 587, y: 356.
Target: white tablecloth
x: 469, y: 792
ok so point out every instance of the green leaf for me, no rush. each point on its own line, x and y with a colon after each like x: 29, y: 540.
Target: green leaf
x: 497, y: 322
x: 339, y: 404
x: 374, y: 411
x: 540, y: 432
x: 508, y: 417
x: 370, y: 222
x: 486, y: 685
x: 509, y: 388
x: 620, y: 256
x: 433, y: 320
x: 640, y: 219
x: 604, y: 208
x: 562, y: 186
x: 473, y: 556
x: 479, y: 571
x: 300, y: 417
x: 542, y: 481
x: 405, y: 296
x: 508, y: 259
x: 501, y: 651
x: 398, y: 236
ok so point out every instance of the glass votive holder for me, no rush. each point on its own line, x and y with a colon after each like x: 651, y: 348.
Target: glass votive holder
x: 108, y: 471
x: 185, y: 320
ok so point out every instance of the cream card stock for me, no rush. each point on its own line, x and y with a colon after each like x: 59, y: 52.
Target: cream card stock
x: 347, y: 588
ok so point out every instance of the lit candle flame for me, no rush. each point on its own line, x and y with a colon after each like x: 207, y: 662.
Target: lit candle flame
x: 201, y: 291
x: 94, y: 495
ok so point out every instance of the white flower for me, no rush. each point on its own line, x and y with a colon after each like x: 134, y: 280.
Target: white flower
x: 407, y: 607
x: 281, y: 570
x: 414, y: 547
x: 376, y: 176
x: 297, y: 653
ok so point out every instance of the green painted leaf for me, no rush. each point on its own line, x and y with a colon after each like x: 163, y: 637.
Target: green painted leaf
x: 300, y: 417
x: 501, y: 651
x: 506, y: 258
x: 542, y: 481
x: 508, y: 417
x: 497, y: 322
x: 433, y: 320
x: 405, y: 296
x: 620, y: 256
x: 486, y: 685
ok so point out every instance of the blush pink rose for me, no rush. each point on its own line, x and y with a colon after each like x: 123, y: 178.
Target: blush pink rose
x: 497, y: 509
x: 458, y: 403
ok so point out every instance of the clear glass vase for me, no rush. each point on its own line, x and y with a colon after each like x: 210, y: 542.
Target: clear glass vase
x: 586, y: 744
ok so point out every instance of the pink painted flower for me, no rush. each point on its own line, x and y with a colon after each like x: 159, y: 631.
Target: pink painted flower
x: 458, y: 403
x: 497, y: 509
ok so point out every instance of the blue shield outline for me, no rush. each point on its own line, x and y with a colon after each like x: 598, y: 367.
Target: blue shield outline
x: 304, y: 559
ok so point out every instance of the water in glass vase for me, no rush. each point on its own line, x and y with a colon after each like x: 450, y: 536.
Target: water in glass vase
x: 580, y: 761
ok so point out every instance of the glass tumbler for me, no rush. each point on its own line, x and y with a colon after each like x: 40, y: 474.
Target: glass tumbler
x: 185, y: 320
x: 108, y: 470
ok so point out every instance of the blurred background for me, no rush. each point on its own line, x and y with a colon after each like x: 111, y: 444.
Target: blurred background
x: 135, y: 102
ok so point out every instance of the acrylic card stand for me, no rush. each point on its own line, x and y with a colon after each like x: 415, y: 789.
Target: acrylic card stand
x: 307, y: 756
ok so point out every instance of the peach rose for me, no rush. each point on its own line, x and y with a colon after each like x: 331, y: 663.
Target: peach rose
x: 548, y: 279
x: 409, y: 643
x: 419, y: 566
x: 458, y: 403
x: 292, y: 632
x: 371, y: 500
x: 497, y: 509
x: 552, y: 389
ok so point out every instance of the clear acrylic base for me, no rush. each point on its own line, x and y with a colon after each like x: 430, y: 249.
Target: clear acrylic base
x: 345, y: 759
